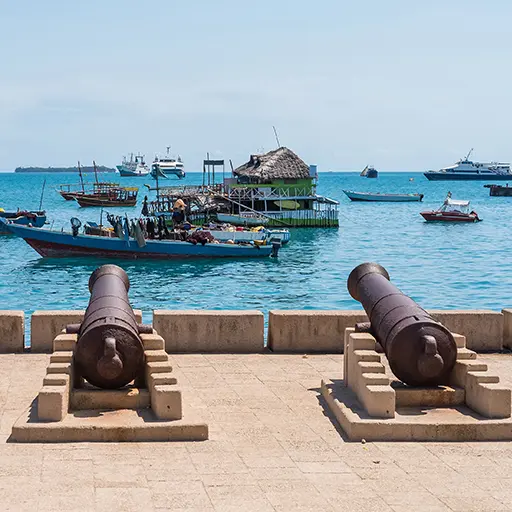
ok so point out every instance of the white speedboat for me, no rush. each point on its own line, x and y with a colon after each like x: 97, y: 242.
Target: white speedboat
x: 466, y: 169
x: 133, y: 167
x: 165, y: 166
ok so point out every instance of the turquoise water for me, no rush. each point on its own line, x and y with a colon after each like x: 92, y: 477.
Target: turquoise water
x: 440, y: 266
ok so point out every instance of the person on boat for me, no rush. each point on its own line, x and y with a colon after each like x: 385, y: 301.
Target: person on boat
x: 178, y: 214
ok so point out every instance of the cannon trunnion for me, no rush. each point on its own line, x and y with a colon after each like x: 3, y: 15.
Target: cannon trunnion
x: 109, y: 352
x: 420, y: 351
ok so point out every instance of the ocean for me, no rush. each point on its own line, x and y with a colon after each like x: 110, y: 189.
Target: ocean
x: 451, y: 266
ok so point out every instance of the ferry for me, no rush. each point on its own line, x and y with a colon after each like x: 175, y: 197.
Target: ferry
x: 133, y: 167
x: 466, y: 169
x: 162, y: 167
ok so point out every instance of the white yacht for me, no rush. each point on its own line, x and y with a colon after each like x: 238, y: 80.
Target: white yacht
x: 466, y: 169
x: 133, y: 167
x: 164, y: 166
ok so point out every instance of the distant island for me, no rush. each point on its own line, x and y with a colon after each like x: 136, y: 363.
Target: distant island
x: 99, y: 168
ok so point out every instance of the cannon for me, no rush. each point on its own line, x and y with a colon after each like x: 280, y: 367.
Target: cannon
x: 420, y: 351
x: 109, y: 352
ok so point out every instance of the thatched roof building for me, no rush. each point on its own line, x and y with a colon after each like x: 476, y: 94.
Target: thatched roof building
x: 281, y: 163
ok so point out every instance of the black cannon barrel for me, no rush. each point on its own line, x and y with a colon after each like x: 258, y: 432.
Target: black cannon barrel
x: 109, y: 352
x: 420, y: 351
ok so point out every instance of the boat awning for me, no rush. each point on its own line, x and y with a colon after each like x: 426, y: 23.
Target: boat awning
x: 455, y: 202
x: 328, y: 200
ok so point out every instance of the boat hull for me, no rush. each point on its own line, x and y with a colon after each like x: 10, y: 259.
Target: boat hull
x: 445, y: 176
x: 386, y: 198
x: 105, y: 203
x: 56, y: 244
x: 238, y: 220
x: 448, y: 217
x: 499, y: 190
x: 128, y: 173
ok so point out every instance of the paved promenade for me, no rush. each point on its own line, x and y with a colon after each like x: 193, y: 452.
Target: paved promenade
x: 271, y: 447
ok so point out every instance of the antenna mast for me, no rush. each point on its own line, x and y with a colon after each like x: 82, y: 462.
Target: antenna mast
x: 277, y: 138
x: 470, y: 151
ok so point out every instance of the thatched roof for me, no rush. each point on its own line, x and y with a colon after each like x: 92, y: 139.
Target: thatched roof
x: 281, y: 163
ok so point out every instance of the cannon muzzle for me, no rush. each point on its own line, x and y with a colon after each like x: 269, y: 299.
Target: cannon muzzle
x: 420, y: 351
x: 109, y: 352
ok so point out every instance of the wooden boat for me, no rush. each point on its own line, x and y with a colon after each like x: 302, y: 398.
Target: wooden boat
x: 451, y: 210
x: 242, y: 219
x: 499, y: 190
x: 112, y: 196
x: 376, y: 196
x: 35, y: 219
x: 60, y: 244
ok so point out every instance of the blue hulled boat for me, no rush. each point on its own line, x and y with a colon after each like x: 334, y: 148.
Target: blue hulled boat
x: 376, y: 196
x: 36, y: 219
x: 59, y: 244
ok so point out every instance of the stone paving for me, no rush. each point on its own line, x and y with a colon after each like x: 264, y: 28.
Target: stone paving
x: 272, y: 447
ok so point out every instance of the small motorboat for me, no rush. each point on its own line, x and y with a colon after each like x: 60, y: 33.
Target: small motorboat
x: 377, y: 196
x: 35, y: 219
x: 451, y: 210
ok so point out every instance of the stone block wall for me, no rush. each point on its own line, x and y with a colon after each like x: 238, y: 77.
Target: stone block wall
x: 310, y: 331
x: 210, y: 331
x: 12, y: 331
x: 45, y: 325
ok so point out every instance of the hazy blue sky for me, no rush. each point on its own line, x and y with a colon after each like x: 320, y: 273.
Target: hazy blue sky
x: 398, y: 84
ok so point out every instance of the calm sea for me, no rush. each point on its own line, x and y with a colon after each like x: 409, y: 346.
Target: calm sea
x: 440, y: 266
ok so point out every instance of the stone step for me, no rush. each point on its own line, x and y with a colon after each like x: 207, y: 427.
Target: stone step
x: 158, y: 379
x: 156, y: 355
x: 59, y: 368
x: 465, y: 354
x: 371, y: 367
x: 152, y: 342
x: 483, y: 378
x: 62, y: 356
x: 115, y: 399
x: 375, y: 379
x: 367, y: 356
x: 64, y: 342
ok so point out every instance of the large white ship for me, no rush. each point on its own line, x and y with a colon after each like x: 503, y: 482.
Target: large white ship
x: 164, y: 166
x: 133, y: 167
x: 466, y: 169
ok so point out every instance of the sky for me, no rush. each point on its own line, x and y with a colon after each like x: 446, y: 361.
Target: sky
x: 401, y: 85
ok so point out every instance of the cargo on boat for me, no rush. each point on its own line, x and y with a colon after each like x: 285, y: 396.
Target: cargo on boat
x: 36, y: 219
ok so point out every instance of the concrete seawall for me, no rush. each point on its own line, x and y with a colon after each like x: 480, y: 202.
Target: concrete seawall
x: 295, y: 331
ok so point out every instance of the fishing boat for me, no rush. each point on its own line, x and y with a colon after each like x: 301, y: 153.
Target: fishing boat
x: 60, y: 244
x: 377, y: 196
x: 465, y: 169
x: 163, y: 167
x: 110, y: 197
x: 242, y: 219
x: 134, y: 167
x: 369, y: 172
x: 499, y: 190
x: 36, y: 219
x: 451, y: 210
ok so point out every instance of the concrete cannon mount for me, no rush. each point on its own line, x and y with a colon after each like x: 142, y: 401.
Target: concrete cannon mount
x: 143, y: 411
x: 369, y: 403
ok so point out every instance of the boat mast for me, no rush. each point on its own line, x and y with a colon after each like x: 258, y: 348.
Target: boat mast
x: 42, y: 192
x: 277, y: 138
x: 95, y: 172
x: 81, y: 177
x: 468, y: 155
